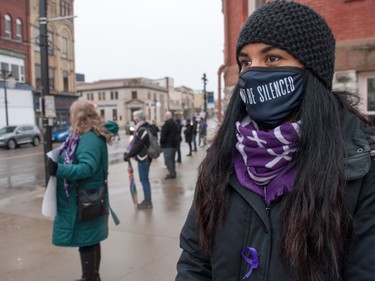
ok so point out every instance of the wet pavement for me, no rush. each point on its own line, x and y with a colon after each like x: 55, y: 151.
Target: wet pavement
x: 144, y: 246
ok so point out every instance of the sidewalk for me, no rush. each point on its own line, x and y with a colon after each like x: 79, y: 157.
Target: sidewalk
x: 144, y: 246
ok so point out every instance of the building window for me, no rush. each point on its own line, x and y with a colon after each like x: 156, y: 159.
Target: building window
x: 16, y: 70
x: 149, y: 95
x: 114, y: 95
x: 114, y: 114
x: 50, y: 43
x: 64, y: 8
x: 99, y: 96
x: 22, y: 74
x: 88, y: 96
x: 92, y: 96
x: 8, y: 26
x: 134, y: 95
x: 38, y: 77
x: 103, y: 95
x: 66, y: 81
x: 64, y: 47
x: 18, y: 30
x: 102, y: 114
x: 51, y: 74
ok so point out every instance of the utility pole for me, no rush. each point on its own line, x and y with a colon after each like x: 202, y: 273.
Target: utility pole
x: 204, y: 78
x: 43, y: 43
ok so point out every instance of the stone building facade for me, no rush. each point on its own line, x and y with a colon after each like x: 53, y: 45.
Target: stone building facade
x: 61, y: 57
x: 117, y: 99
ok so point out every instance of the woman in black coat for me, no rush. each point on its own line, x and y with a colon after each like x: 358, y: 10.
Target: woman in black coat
x: 287, y: 188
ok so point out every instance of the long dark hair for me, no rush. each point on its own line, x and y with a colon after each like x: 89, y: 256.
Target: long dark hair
x: 315, y: 221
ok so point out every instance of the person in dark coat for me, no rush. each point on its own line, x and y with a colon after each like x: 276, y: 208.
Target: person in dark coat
x: 188, y: 132
x: 83, y: 164
x: 179, y: 140
x: 287, y: 189
x: 168, y: 143
x: 138, y: 148
x: 194, y: 131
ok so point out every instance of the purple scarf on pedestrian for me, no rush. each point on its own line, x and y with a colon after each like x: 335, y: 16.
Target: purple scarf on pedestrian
x: 264, y: 159
x: 69, y: 146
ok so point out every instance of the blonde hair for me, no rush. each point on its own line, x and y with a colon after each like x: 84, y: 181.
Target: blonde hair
x: 84, y: 118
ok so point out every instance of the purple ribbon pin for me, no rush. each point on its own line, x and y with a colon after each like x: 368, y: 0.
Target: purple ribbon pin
x: 253, y: 261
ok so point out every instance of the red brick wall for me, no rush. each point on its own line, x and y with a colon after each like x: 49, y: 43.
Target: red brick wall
x: 352, y: 22
x: 17, y: 9
x: 349, y: 20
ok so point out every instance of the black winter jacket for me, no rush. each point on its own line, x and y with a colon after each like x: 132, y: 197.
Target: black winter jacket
x: 140, y: 144
x: 248, y: 224
x: 169, y: 134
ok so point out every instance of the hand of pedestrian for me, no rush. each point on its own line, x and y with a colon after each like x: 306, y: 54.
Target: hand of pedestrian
x: 52, y: 167
x: 126, y: 158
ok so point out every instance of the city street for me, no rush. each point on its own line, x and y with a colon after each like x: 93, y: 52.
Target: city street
x: 144, y: 246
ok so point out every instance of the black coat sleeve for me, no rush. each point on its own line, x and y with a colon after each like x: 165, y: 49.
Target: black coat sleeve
x: 192, y: 265
x: 361, y: 257
x: 140, y: 142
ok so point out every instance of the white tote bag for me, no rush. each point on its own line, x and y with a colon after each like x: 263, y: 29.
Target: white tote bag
x: 49, y: 205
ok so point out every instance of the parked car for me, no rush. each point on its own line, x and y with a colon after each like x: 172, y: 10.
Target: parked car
x: 129, y: 127
x: 60, y: 135
x: 13, y: 136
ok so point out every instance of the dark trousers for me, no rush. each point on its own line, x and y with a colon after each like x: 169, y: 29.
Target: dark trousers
x: 178, y: 151
x: 169, y: 156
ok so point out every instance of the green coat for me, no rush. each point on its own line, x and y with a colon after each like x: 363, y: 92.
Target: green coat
x: 88, y: 171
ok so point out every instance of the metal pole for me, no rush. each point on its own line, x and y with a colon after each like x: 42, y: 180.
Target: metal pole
x: 5, y: 97
x: 43, y: 33
x: 205, y: 95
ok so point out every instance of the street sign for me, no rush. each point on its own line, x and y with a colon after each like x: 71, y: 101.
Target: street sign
x: 49, y: 103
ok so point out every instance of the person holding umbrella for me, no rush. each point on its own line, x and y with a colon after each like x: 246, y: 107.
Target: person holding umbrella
x: 138, y: 148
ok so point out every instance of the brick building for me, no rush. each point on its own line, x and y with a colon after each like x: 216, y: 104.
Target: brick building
x: 353, y: 25
x: 16, y: 101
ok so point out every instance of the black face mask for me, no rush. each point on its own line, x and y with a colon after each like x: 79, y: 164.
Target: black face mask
x: 271, y: 94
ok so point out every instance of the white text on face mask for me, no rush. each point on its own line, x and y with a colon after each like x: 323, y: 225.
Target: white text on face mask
x: 268, y: 91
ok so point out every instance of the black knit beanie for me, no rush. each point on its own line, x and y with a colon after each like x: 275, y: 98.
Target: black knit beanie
x: 294, y: 28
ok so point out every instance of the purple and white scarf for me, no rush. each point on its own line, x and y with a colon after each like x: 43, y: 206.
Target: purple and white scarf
x: 264, y: 159
x: 69, y: 146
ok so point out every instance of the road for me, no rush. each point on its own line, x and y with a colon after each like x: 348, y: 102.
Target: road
x: 22, y: 169
x: 144, y: 246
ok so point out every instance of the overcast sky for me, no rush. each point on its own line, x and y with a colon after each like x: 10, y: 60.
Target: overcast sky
x: 151, y: 39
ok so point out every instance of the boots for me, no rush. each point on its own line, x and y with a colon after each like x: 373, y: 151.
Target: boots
x: 97, y: 252
x: 88, y: 263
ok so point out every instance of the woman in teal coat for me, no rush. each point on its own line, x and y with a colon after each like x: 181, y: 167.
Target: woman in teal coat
x: 83, y: 163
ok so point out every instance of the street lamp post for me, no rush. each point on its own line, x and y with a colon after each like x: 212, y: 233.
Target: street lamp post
x: 4, y: 74
x: 204, y: 78
x: 43, y: 43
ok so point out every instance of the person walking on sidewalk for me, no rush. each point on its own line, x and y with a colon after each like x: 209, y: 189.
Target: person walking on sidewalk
x: 138, y: 148
x: 83, y: 164
x: 168, y: 143
x: 179, y: 140
x: 194, y: 131
x: 188, y: 132
x: 287, y: 188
